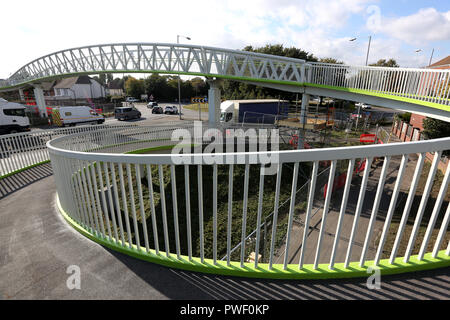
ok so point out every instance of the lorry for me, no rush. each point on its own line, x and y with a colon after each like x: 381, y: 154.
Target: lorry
x: 12, y: 117
x: 70, y: 116
x: 253, y: 111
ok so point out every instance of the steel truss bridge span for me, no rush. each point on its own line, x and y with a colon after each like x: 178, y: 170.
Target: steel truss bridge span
x: 423, y: 91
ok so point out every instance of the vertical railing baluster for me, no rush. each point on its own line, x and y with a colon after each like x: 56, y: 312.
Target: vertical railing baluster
x: 111, y: 207
x: 163, y: 210
x: 376, y: 204
x: 215, y: 213
x: 312, y: 188
x: 137, y: 168
x: 188, y: 210
x: 244, y: 214
x: 259, y: 213
x: 390, y: 213
x: 291, y: 214
x: 125, y: 205
x: 230, y: 211
x: 407, y: 208
x: 422, y: 205
x: 133, y: 206
x: 175, y: 210
x: 435, y: 213
x: 152, y: 208
x: 97, y: 201
x: 362, y: 193
x: 116, y: 198
x: 348, y: 183
x: 275, y: 215
x: 329, y: 191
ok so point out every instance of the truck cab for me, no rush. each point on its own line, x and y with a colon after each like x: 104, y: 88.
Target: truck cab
x: 12, y: 117
x: 227, y: 111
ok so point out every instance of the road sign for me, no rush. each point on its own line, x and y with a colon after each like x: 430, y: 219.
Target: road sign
x: 199, y: 100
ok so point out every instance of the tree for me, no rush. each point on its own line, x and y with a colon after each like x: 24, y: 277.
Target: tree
x: 330, y: 60
x: 200, y: 86
x: 234, y: 90
x: 109, y: 78
x: 280, y: 50
x: 383, y: 63
x: 434, y: 129
x: 134, y: 87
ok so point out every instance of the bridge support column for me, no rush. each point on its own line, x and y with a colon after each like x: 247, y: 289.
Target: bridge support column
x: 21, y: 95
x: 303, y: 120
x: 40, y: 101
x: 213, y: 103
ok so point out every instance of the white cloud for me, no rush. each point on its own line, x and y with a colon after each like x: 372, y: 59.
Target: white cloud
x: 46, y: 26
x: 425, y: 25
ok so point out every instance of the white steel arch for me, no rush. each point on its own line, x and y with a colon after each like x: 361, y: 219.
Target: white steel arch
x: 426, y: 91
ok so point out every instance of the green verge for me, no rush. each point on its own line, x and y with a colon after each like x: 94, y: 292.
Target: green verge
x: 262, y: 271
x: 23, y: 169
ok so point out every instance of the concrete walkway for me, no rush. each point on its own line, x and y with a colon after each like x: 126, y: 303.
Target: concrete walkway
x: 37, y: 246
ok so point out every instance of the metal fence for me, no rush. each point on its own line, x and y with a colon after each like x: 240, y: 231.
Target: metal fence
x: 19, y: 151
x: 187, y: 211
x: 416, y: 84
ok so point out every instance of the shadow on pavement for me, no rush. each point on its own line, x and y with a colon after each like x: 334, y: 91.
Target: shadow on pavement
x: 23, y: 179
x: 179, y: 284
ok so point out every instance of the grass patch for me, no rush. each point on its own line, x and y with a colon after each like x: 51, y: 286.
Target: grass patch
x: 195, y: 106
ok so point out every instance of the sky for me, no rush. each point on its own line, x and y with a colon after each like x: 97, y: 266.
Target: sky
x: 31, y: 29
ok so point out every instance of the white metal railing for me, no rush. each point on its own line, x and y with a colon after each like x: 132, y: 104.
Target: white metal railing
x: 22, y: 150
x: 148, y: 203
x: 417, y: 84
x: 421, y: 85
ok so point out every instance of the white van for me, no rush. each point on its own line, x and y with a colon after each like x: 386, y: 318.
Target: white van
x: 70, y: 116
x: 12, y: 117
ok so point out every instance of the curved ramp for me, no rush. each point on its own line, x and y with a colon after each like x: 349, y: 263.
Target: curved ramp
x: 37, y: 247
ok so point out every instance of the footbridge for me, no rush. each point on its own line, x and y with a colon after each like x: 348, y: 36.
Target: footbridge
x: 422, y: 91
x: 224, y: 215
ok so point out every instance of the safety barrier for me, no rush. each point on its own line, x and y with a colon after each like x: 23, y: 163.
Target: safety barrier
x: 20, y: 151
x: 423, y: 86
x: 186, y: 211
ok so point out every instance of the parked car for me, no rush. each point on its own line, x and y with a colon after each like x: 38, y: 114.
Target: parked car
x: 169, y: 110
x: 126, y: 113
x: 131, y: 99
x: 175, y: 109
x: 157, y: 109
x: 152, y: 104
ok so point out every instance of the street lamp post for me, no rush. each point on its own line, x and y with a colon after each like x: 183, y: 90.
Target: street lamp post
x: 431, y: 58
x: 367, y: 61
x: 179, y: 88
x: 368, y: 48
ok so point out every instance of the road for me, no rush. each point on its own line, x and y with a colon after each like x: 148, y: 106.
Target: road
x: 148, y: 118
